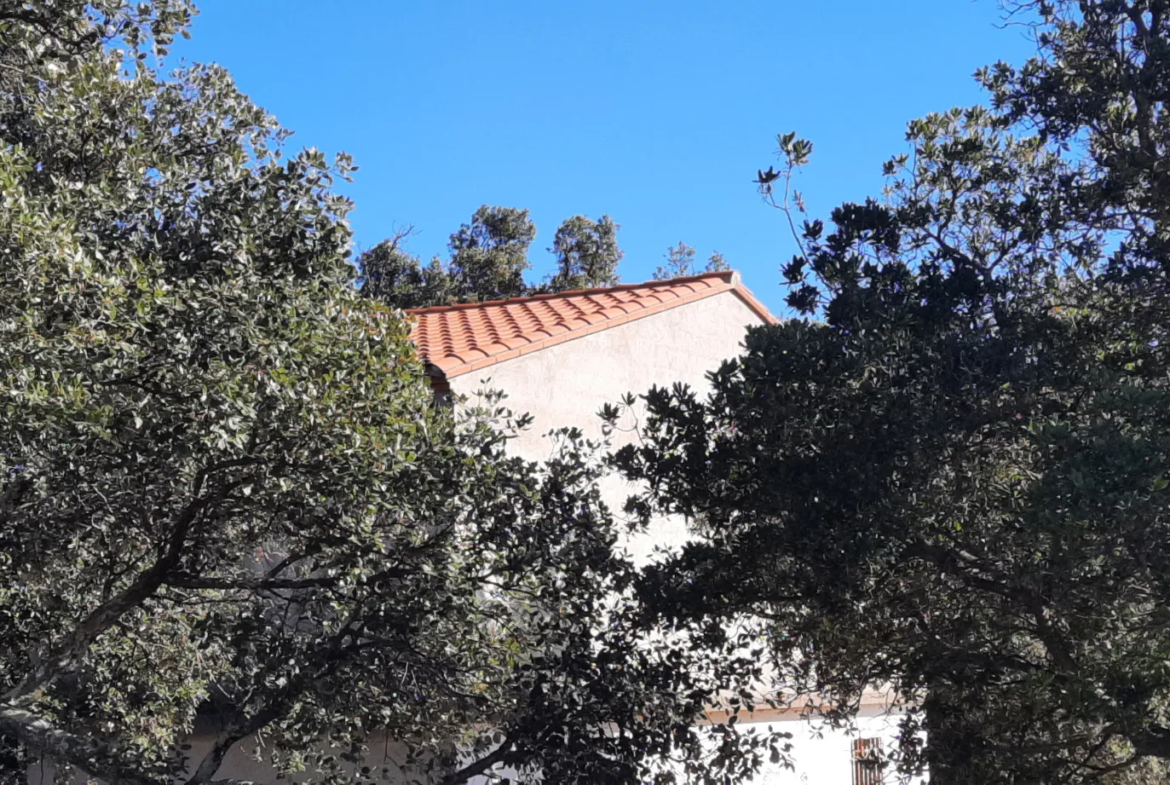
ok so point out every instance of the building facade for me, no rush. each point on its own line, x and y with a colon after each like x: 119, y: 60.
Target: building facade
x: 561, y: 357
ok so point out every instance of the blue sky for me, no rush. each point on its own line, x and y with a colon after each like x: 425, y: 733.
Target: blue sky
x: 657, y: 113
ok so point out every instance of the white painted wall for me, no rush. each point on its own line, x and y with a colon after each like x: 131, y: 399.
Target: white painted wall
x: 566, y: 384
x: 820, y: 755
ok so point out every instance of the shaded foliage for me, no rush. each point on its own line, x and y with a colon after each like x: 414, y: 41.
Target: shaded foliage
x: 587, y: 254
x: 391, y: 275
x: 488, y: 258
x: 226, y: 493
x: 954, y: 482
x: 489, y: 255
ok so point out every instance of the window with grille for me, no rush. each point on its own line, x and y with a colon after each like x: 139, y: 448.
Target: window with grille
x: 867, y: 762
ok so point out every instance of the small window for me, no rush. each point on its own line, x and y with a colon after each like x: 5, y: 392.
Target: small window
x: 867, y: 762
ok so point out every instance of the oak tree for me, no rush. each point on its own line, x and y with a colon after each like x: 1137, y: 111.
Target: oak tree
x: 228, y: 501
x: 490, y: 254
x: 587, y: 254
x: 950, y: 475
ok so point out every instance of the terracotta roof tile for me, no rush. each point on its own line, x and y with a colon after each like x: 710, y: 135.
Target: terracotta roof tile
x: 458, y: 339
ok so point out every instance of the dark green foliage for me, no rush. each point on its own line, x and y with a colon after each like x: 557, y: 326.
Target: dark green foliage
x: 488, y: 260
x: 489, y: 255
x: 587, y: 254
x: 956, y: 483
x: 225, y: 490
x: 391, y: 275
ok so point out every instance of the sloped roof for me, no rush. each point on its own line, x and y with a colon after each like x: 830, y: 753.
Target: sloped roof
x: 458, y: 339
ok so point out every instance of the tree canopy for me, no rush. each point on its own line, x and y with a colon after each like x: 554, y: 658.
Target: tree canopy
x: 680, y: 261
x: 489, y: 255
x: 488, y: 259
x: 587, y: 254
x: 226, y: 492
x: 393, y: 276
x: 949, y: 474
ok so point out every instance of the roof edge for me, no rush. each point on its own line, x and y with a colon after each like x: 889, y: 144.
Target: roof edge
x: 731, y: 277
x: 749, y: 299
x: 732, y: 283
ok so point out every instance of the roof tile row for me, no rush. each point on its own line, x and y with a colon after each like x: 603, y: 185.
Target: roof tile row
x: 458, y: 339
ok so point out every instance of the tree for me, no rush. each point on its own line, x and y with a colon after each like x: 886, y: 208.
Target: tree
x: 391, y: 275
x: 587, y: 254
x: 489, y: 255
x: 954, y: 481
x: 488, y: 260
x: 716, y: 263
x: 680, y: 262
x: 226, y: 492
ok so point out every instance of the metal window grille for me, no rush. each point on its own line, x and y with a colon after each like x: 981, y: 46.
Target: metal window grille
x: 867, y: 759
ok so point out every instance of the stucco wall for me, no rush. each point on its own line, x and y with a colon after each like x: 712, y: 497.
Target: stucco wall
x: 567, y: 384
x: 821, y: 755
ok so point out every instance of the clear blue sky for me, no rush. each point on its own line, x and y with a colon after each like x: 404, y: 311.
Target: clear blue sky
x: 658, y: 113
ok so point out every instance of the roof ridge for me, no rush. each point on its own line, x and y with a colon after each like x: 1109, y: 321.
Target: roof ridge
x: 729, y: 276
x: 458, y: 339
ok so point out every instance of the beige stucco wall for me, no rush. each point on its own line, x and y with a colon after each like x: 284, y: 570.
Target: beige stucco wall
x: 567, y: 384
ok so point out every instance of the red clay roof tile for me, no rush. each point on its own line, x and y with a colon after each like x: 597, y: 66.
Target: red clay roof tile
x: 458, y: 339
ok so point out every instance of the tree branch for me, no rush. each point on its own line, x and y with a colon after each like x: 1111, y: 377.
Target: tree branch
x: 77, y: 643
x: 92, y: 757
x: 258, y: 584
x: 474, y: 769
x: 240, y: 730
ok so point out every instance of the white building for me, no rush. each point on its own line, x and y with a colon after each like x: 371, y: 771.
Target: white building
x: 560, y: 357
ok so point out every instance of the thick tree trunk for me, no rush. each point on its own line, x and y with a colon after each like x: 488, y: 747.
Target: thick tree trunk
x: 943, y: 768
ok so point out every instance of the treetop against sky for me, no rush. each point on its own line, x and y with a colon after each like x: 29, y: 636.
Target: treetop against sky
x: 656, y: 114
